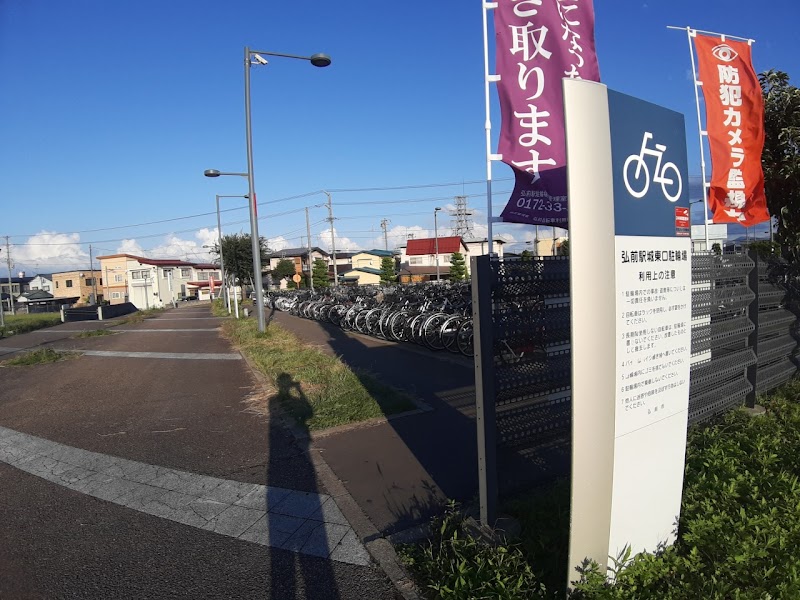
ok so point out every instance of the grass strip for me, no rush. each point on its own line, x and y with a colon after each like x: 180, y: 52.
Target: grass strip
x: 738, y: 534
x: 139, y: 316
x: 38, y: 357
x: 89, y: 333
x: 318, y: 390
x: 16, y: 324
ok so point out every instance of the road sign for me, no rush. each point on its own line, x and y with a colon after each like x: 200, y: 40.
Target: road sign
x: 296, y: 278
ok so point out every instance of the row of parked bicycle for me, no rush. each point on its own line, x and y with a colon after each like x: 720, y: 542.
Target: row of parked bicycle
x: 437, y: 316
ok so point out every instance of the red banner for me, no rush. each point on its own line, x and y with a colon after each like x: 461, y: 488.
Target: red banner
x: 735, y: 125
x: 211, y: 283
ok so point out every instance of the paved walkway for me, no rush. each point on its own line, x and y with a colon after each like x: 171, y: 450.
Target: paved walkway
x: 272, y: 516
x: 140, y: 470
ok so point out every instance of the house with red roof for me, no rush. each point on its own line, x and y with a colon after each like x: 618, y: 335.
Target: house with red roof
x: 419, y: 256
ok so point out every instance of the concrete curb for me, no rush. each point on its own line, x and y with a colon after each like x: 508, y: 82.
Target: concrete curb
x: 379, y: 548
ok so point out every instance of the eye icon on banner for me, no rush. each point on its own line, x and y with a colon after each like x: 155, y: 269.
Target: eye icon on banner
x: 637, y: 181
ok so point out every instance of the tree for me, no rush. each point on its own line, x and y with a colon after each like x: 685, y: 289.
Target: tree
x: 716, y: 248
x: 237, y: 254
x: 458, y: 267
x: 284, y: 268
x: 781, y: 158
x: 563, y: 249
x: 319, y: 273
x: 387, y: 270
x: 526, y: 255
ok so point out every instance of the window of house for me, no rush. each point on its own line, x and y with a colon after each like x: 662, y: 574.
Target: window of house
x: 415, y: 260
x: 89, y: 281
x: 116, y: 295
x: 118, y: 278
x: 101, y: 281
x: 139, y: 274
x: 186, y: 273
x: 69, y: 282
x: 56, y: 285
x: 46, y: 288
x: 167, y: 273
x: 34, y: 288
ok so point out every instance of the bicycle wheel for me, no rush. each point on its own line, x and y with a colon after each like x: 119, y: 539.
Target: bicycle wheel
x: 432, y: 331
x: 397, y: 326
x: 373, y: 318
x: 449, y: 333
x: 464, y: 338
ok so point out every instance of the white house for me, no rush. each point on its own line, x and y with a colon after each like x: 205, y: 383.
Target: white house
x: 155, y: 283
x: 41, y: 282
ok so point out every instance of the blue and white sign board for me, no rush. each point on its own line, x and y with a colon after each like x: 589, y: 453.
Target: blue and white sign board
x: 630, y: 254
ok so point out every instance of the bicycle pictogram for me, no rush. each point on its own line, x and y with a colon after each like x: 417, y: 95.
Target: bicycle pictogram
x: 641, y: 176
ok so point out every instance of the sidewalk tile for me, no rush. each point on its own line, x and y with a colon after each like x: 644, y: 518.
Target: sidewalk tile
x: 329, y: 513
x: 300, y: 504
x: 264, y: 497
x: 351, y: 550
x: 234, y: 521
x: 272, y: 530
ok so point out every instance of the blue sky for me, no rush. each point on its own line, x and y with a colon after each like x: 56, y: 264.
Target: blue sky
x: 112, y: 110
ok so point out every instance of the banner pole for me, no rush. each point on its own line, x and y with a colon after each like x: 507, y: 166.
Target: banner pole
x: 486, y: 6
x: 690, y: 33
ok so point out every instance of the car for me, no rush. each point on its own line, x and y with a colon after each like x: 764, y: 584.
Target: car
x: 189, y: 298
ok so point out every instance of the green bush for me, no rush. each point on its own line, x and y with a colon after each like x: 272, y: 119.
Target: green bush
x: 452, y: 565
x: 738, y: 535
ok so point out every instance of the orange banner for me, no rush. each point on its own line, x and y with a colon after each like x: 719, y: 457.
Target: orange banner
x: 735, y: 125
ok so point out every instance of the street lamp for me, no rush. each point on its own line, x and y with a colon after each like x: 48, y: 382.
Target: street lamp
x: 436, y: 238
x: 254, y: 57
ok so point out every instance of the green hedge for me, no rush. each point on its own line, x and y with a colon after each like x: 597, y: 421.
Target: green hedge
x: 738, y: 536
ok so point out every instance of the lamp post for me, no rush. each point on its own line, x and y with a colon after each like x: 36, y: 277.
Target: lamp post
x: 254, y: 57
x: 436, y: 239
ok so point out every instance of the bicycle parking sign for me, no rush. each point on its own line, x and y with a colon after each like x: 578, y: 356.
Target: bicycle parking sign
x: 648, y: 152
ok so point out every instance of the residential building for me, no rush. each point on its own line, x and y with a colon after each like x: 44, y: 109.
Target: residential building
x: 43, y: 282
x: 365, y: 267
x: 10, y: 290
x: 418, y: 258
x: 37, y: 301
x: 299, y: 256
x: 77, y: 287
x: 156, y: 283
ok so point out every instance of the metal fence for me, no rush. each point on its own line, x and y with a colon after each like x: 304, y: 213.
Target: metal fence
x: 743, y: 343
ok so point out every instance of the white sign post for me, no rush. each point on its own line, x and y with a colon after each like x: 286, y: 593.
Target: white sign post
x: 630, y: 254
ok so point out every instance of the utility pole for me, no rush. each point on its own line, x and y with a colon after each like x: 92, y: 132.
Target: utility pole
x: 384, y: 223
x: 2, y: 306
x: 94, y: 279
x: 10, y: 285
x: 333, y: 241
x: 310, y: 264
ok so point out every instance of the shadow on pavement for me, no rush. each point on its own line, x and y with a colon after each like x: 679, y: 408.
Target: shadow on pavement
x: 404, y: 471
x: 295, y: 574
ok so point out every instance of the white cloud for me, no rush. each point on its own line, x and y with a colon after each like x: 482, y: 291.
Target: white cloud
x: 279, y: 243
x: 130, y: 247
x: 49, y: 251
x: 342, y: 243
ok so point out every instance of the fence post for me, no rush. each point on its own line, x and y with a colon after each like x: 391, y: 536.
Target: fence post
x: 752, y: 339
x: 483, y: 344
